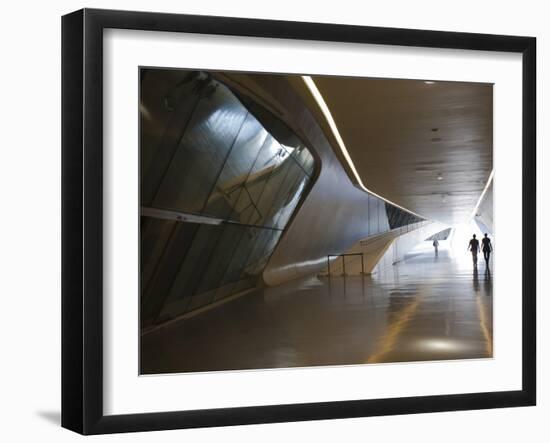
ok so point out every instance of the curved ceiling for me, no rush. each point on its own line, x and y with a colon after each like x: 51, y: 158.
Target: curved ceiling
x: 426, y: 146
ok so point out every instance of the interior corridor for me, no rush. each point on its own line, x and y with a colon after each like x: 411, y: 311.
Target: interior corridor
x: 426, y: 307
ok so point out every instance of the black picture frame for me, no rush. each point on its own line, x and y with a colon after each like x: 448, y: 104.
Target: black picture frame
x: 82, y: 215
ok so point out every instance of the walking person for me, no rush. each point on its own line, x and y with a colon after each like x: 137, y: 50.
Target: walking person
x: 473, y: 247
x: 436, y: 246
x: 486, y: 248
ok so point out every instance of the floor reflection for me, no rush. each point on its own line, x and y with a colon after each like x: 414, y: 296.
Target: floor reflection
x: 476, y: 280
x: 424, y: 308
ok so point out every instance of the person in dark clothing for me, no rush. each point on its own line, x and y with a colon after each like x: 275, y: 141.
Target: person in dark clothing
x: 436, y: 246
x: 486, y: 248
x: 473, y: 247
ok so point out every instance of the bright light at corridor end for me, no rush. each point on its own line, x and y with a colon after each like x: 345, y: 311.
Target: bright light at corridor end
x: 461, y: 236
x: 332, y: 124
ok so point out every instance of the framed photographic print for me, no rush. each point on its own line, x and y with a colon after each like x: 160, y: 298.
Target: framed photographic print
x: 269, y: 221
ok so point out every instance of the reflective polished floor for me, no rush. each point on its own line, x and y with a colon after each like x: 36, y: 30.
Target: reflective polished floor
x: 425, y: 308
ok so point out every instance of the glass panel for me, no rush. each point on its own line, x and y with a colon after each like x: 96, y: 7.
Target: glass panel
x: 221, y: 257
x: 246, y: 209
x: 276, y: 191
x: 398, y: 218
x: 291, y: 201
x: 156, y: 292
x: 238, y: 261
x: 305, y: 159
x: 242, y: 253
x: 382, y: 217
x: 196, y: 263
x: 167, y: 101
x: 236, y: 169
x: 265, y: 243
x: 199, y: 159
x: 270, y: 156
x: 154, y: 237
x: 391, y: 215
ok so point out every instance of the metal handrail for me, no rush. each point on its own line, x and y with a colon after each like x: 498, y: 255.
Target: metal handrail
x: 401, y: 230
x: 344, y: 261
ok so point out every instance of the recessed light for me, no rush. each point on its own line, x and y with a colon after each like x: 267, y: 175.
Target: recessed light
x: 429, y: 82
x: 439, y: 177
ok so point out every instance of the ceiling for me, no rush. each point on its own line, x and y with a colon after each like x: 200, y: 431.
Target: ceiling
x: 426, y: 146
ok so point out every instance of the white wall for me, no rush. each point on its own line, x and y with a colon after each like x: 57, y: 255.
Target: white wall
x: 30, y: 222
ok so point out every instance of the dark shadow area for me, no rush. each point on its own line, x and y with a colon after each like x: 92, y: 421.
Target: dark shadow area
x: 54, y: 417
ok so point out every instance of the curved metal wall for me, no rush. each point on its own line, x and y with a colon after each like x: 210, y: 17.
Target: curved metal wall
x: 335, y: 214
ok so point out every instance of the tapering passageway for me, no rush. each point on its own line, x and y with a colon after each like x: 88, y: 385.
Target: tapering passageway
x: 251, y: 184
x: 425, y: 308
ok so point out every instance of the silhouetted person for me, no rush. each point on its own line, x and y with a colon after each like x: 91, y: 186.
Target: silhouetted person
x: 473, y: 247
x: 436, y: 245
x: 486, y: 248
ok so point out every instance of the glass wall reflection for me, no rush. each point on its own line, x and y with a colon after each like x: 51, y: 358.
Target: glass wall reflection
x: 398, y: 218
x: 219, y: 184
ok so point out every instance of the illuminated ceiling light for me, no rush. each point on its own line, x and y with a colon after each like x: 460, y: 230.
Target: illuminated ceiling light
x: 429, y: 82
x: 439, y: 176
x: 474, y: 212
x: 332, y: 124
